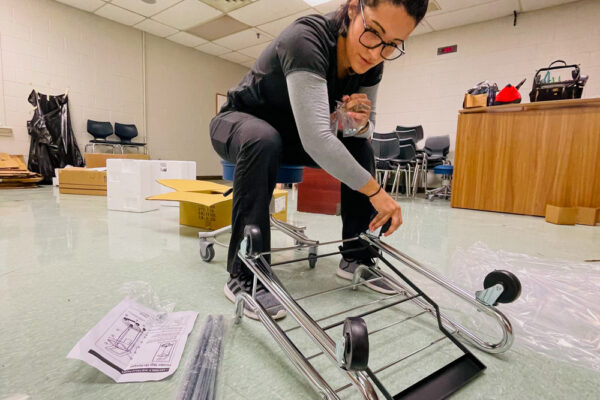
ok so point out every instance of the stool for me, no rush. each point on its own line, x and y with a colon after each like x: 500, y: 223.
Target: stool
x: 287, y: 174
x: 444, y: 191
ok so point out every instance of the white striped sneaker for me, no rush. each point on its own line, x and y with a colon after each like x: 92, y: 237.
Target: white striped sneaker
x: 240, y: 283
x: 346, y: 271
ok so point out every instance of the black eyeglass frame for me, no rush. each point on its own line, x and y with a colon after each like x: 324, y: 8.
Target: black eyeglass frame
x: 381, y: 43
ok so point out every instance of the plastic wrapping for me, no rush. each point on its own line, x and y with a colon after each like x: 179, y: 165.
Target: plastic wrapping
x: 558, y: 313
x: 53, y: 144
x: 340, y: 120
x: 142, y: 293
x: 202, y: 370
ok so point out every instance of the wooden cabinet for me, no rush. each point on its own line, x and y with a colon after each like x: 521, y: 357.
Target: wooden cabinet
x: 517, y: 158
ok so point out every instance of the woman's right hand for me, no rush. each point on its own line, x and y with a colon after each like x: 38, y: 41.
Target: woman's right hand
x: 386, y: 208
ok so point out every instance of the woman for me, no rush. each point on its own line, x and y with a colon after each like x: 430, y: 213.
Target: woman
x: 280, y: 113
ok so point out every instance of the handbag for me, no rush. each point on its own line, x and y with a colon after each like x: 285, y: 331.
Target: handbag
x: 545, y: 89
x: 481, y: 95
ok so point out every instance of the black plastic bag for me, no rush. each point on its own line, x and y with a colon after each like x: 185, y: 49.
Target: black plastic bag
x: 53, y: 143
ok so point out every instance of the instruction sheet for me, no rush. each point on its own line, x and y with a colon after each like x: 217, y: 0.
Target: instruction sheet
x: 134, y: 343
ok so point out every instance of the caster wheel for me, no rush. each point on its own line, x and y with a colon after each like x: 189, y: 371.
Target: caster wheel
x: 252, y: 240
x: 430, y: 197
x: 356, y: 344
x: 511, y: 284
x: 207, y: 253
x: 312, y: 260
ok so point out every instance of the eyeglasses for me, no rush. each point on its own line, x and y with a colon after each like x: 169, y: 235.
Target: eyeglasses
x: 371, y: 40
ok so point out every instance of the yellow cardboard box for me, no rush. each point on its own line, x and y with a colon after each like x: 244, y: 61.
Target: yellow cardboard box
x: 98, y: 160
x: 202, y: 204
x: 82, y: 181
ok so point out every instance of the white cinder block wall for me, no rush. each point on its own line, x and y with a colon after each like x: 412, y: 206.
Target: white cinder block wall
x: 49, y: 46
x: 426, y: 89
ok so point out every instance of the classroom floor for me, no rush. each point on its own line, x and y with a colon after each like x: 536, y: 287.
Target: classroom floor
x: 65, y: 258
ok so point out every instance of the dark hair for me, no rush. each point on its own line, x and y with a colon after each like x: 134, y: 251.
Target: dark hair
x: 414, y: 8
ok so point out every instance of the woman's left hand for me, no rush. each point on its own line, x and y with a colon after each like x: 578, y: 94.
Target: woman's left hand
x: 358, y: 107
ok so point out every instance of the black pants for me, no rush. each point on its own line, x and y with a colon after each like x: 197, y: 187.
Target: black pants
x: 257, y: 150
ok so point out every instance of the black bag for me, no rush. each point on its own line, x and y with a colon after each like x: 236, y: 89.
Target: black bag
x: 53, y: 144
x: 544, y: 90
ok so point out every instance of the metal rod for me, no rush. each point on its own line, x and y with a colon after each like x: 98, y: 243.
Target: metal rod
x: 338, y: 289
x: 304, y: 259
x: 266, y: 253
x: 325, y: 328
x: 350, y: 309
x: 507, y: 336
x: 260, y: 267
x: 411, y: 354
x: 378, y: 330
x: 317, y: 381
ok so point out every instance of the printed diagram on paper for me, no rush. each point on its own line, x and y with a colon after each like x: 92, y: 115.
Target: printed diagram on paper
x: 134, y: 343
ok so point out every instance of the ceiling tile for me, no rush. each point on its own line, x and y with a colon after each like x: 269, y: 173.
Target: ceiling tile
x: 254, y: 51
x: 244, y: 39
x: 264, y: 11
x: 451, y: 5
x: 274, y: 28
x: 218, y: 28
x: 248, y: 64
x: 187, y: 39
x: 422, y: 28
x: 186, y: 14
x: 529, y: 5
x: 471, y: 15
x: 155, y: 28
x: 228, y: 6
x: 236, y: 57
x: 86, y: 5
x: 141, y: 7
x: 330, y: 6
x: 118, y: 14
x: 213, y: 49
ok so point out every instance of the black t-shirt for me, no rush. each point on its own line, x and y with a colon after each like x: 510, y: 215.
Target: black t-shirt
x: 308, y: 44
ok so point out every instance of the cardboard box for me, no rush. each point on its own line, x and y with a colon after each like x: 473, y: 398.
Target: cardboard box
x: 587, y: 215
x: 561, y: 215
x: 98, y: 160
x: 82, y: 181
x: 202, y: 204
x: 475, y: 100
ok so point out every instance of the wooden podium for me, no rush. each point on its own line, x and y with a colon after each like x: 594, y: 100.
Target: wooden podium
x: 517, y: 158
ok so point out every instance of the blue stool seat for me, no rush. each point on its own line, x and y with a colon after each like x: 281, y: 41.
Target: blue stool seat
x: 286, y: 174
x: 443, y: 169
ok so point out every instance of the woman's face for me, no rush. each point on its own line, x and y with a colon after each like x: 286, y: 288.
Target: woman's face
x: 392, y: 23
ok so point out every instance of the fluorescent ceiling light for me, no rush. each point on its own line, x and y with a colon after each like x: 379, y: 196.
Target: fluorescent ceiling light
x: 313, y: 3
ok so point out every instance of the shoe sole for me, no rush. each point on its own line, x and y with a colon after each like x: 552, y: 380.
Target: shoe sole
x: 350, y: 276
x: 248, y: 313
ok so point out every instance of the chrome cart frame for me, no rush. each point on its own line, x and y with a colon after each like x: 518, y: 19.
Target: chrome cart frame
x: 440, y: 383
x: 209, y: 239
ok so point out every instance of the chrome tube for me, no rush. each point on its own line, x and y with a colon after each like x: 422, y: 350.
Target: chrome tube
x: 321, y: 339
x: 289, y: 348
x: 507, y: 333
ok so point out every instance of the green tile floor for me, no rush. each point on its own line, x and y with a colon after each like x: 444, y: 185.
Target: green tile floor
x: 64, y: 259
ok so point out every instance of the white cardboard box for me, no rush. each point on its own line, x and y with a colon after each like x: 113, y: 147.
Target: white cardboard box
x: 130, y: 181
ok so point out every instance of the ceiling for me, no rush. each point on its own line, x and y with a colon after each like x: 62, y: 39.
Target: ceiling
x: 238, y: 30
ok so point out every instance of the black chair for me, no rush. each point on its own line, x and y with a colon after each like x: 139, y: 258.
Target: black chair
x: 100, y: 130
x: 127, y: 132
x: 435, y: 153
x: 389, y: 158
x: 413, y: 132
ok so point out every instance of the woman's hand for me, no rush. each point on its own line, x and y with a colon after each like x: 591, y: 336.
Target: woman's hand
x: 358, y: 107
x: 384, y: 204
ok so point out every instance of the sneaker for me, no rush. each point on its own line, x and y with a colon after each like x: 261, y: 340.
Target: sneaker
x: 346, y: 271
x: 240, y: 283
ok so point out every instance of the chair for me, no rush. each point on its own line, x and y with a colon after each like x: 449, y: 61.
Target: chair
x: 126, y: 132
x: 287, y: 174
x: 434, y: 153
x: 100, y: 131
x: 388, y: 160
x: 444, y: 191
x: 413, y: 132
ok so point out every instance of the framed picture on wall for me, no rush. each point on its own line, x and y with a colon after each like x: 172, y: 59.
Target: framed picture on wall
x: 221, y: 99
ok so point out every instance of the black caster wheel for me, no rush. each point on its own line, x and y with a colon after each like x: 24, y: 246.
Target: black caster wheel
x: 207, y: 253
x: 312, y: 260
x: 252, y: 240
x: 356, y: 344
x: 511, y: 284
